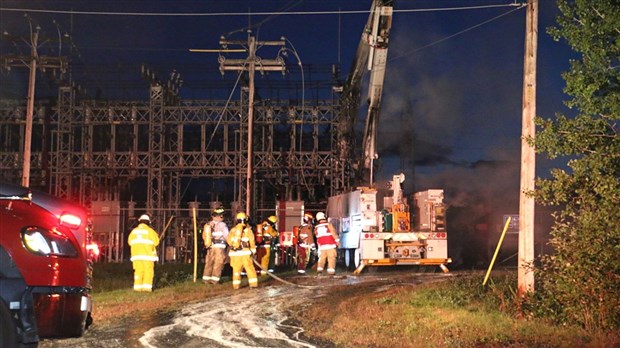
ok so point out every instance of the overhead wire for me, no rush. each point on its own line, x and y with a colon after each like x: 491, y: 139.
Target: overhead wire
x: 456, y: 34
x: 221, y: 116
x: 303, y: 100
x: 74, y: 51
x: 276, y: 13
x: 258, y: 25
x: 265, y: 20
x: 281, y: 13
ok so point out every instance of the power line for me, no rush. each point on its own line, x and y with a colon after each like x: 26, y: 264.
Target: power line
x: 228, y: 14
x: 456, y: 34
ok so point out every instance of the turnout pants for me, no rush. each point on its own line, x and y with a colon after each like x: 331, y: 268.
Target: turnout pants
x: 240, y: 262
x: 303, y: 256
x: 143, y: 273
x: 328, y: 255
x: 263, y: 254
x: 214, y: 263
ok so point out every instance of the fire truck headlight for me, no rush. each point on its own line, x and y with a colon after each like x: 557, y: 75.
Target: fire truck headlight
x: 36, y: 243
x: 44, y: 242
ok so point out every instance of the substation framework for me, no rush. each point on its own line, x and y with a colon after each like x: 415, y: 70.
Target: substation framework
x: 93, y: 151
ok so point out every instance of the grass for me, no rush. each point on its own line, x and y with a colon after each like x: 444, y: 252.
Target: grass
x: 455, y: 313
x: 113, y: 295
x: 458, y: 312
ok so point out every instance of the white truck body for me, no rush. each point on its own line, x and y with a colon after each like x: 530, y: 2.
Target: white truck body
x: 380, y: 234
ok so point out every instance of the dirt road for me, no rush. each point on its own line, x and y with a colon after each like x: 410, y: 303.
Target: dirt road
x: 244, y: 318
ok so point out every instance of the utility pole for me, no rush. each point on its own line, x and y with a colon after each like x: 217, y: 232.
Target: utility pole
x: 30, y: 108
x: 35, y: 62
x: 528, y: 154
x: 250, y: 65
x: 251, y: 73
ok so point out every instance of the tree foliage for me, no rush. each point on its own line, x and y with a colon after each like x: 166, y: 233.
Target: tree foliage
x: 580, y: 281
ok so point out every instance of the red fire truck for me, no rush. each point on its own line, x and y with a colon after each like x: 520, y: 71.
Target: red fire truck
x: 45, y: 267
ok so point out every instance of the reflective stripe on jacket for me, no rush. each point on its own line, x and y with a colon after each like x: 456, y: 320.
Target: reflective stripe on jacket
x: 143, y: 241
x: 325, y: 236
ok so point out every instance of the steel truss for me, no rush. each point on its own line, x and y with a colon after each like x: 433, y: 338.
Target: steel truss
x: 91, y: 150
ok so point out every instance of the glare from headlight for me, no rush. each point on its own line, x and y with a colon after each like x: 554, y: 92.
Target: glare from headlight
x: 46, y: 242
x: 37, y: 243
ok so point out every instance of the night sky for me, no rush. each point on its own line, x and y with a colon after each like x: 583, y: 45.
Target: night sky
x: 451, y: 112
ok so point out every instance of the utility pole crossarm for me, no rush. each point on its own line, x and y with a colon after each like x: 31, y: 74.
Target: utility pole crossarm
x: 251, y: 64
x: 32, y: 62
x: 262, y: 64
x: 44, y: 62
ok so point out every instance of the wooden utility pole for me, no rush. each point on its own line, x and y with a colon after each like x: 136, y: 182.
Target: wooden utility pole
x: 252, y: 70
x: 30, y: 108
x: 528, y: 154
x: 36, y: 62
x: 249, y: 64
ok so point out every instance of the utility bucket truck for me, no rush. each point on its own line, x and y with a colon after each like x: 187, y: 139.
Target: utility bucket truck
x: 381, y: 233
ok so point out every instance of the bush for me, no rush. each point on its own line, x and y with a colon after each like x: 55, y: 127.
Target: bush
x: 173, y: 273
x: 578, y: 283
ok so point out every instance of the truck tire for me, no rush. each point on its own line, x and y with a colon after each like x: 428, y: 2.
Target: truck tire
x: 8, y: 330
x: 352, y: 258
x: 356, y: 258
x: 347, y: 258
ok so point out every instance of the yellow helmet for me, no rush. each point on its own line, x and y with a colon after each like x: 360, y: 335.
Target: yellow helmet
x: 241, y: 217
x: 218, y: 212
x: 272, y: 219
x: 308, y: 217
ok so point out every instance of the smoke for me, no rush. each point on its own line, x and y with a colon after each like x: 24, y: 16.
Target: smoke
x: 451, y: 115
x: 451, y: 120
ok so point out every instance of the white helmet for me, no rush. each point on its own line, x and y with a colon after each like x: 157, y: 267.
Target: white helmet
x: 144, y: 218
x: 320, y: 215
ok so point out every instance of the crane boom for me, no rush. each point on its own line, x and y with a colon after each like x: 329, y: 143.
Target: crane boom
x: 375, y: 231
x: 377, y: 39
x: 371, y: 55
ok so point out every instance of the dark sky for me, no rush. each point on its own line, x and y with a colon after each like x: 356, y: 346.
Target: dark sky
x: 453, y: 87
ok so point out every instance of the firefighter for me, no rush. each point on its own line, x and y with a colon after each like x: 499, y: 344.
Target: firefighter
x: 328, y: 241
x: 266, y: 236
x: 242, y: 247
x: 214, y: 235
x: 143, y: 241
x: 305, y: 243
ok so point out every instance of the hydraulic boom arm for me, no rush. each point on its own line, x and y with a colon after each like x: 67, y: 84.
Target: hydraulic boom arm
x: 376, y: 37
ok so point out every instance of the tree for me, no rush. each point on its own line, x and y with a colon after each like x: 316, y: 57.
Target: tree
x: 580, y: 281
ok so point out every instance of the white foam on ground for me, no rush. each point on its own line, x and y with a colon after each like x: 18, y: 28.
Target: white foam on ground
x: 246, y: 318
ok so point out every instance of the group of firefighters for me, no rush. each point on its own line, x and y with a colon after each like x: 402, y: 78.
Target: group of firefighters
x: 243, y: 246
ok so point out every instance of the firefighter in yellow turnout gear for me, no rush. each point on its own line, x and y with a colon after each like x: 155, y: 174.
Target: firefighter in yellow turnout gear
x: 266, y: 235
x: 328, y: 242
x: 242, y: 247
x: 143, y: 241
x: 214, y: 235
x: 305, y: 242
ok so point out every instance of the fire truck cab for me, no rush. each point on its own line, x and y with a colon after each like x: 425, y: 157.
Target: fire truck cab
x: 45, y: 267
